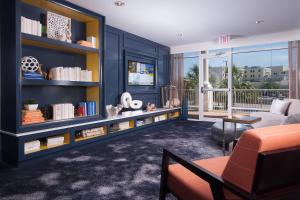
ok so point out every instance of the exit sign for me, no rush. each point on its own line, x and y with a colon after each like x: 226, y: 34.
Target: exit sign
x: 224, y: 39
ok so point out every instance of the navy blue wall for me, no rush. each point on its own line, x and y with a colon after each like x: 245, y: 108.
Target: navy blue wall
x: 118, y: 45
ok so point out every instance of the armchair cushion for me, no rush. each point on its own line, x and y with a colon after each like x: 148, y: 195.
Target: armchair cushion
x: 188, y: 186
x: 254, y: 141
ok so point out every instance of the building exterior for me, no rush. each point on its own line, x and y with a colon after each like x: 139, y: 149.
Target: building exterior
x: 257, y: 73
x: 279, y: 73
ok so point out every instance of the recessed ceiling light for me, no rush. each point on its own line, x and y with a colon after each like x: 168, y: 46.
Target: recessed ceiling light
x: 119, y: 3
x: 259, y: 21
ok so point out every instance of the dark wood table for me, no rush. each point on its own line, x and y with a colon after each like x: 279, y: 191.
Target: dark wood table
x: 237, y: 119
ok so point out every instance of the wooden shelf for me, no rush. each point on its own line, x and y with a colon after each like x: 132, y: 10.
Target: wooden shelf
x: 37, y: 41
x: 59, y: 83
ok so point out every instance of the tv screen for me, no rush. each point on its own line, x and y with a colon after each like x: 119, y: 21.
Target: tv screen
x: 140, y: 73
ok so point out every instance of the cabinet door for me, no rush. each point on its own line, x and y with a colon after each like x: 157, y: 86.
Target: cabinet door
x: 113, y: 76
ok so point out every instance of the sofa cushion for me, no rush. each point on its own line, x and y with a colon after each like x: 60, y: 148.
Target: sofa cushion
x: 188, y: 186
x: 267, y: 119
x: 241, y: 166
x: 292, y: 119
x: 294, y: 107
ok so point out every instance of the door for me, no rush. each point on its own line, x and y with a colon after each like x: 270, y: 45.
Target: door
x: 215, y: 84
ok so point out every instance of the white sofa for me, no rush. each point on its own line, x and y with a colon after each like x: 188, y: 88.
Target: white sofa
x: 270, y: 119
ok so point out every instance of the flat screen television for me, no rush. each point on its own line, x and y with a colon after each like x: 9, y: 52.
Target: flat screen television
x: 140, y: 74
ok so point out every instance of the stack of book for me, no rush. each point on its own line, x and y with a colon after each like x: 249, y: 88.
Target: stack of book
x: 32, y: 146
x: 55, y: 141
x: 92, y: 132
x: 31, y: 26
x: 160, y: 118
x: 63, y: 111
x: 71, y: 74
x: 87, y: 108
x: 32, y: 76
x: 85, y: 43
x: 124, y: 125
x: 32, y: 116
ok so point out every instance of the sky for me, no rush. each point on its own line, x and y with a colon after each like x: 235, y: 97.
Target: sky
x: 276, y: 55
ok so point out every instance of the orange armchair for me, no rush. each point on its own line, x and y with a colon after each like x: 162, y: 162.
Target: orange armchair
x: 265, y: 164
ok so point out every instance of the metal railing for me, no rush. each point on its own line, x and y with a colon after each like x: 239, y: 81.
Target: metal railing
x: 250, y: 100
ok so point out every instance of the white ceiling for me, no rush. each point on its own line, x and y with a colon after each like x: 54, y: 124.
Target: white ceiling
x: 197, y: 20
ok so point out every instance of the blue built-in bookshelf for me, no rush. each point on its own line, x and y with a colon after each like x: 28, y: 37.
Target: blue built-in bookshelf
x: 105, y: 86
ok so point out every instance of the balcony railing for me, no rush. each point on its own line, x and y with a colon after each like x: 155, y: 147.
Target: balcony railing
x: 250, y: 100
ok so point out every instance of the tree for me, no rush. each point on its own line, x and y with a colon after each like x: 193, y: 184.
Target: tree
x: 270, y: 85
x: 192, y: 78
x: 237, y: 78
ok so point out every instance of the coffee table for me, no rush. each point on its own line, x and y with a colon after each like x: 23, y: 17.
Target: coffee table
x: 237, y: 119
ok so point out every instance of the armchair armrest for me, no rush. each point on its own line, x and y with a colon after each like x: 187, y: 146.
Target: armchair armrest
x: 216, y: 183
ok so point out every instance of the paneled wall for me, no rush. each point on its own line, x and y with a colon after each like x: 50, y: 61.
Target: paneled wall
x: 118, y: 44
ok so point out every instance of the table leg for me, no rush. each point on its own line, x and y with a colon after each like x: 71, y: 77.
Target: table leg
x: 223, y: 142
x: 235, y: 132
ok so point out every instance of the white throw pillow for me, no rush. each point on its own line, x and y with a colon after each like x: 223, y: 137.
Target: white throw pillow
x: 279, y: 107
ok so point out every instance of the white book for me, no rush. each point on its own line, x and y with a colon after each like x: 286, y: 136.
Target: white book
x: 78, y: 71
x: 82, y: 75
x: 33, y: 27
x: 39, y: 33
x: 23, y: 24
x: 89, y: 76
x: 26, y: 28
x: 64, y: 111
x: 59, y: 111
x: 55, y: 139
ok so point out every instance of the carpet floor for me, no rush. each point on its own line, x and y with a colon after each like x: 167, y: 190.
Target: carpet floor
x: 123, y: 168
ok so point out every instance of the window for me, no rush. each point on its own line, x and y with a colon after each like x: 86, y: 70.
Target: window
x: 270, y: 61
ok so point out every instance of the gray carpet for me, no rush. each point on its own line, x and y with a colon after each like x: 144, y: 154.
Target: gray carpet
x: 121, y: 169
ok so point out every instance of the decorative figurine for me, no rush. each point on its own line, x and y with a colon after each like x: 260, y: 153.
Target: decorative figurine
x: 151, y: 107
x: 113, y: 111
x: 29, y: 64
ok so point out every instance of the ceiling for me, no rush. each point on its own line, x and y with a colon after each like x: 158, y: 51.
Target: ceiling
x: 197, y: 20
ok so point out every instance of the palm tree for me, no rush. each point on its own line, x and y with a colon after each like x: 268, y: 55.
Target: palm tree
x: 192, y: 78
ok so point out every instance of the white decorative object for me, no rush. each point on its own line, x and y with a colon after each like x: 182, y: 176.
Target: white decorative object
x: 126, y: 99
x: 58, y: 27
x: 31, y: 106
x: 126, y: 113
x: 29, y: 64
x: 136, y: 104
x: 279, y: 107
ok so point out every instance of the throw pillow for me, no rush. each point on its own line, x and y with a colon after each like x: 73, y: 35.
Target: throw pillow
x: 279, y: 107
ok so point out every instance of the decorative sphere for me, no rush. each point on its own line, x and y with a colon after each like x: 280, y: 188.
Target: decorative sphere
x: 29, y: 64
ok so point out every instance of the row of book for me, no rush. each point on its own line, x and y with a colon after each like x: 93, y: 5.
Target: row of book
x: 32, y: 27
x: 35, y: 145
x: 70, y: 74
x: 121, y: 126
x: 160, y: 118
x: 55, y: 141
x: 91, y: 132
x: 63, y: 111
x: 32, y: 146
x: 87, y: 108
x: 32, y: 116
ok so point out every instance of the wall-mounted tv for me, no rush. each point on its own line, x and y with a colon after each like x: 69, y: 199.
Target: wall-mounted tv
x: 140, y: 73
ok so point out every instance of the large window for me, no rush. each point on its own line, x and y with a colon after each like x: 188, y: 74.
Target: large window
x: 261, y: 66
